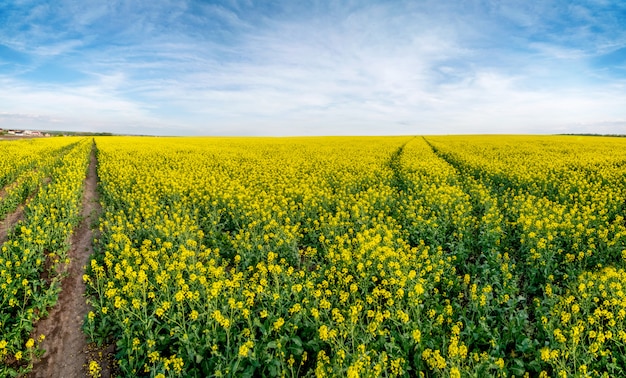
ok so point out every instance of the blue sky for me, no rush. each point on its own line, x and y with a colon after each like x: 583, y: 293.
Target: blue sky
x: 286, y: 67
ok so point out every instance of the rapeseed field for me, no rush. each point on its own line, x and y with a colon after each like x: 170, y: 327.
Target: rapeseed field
x: 455, y: 256
x: 362, y: 257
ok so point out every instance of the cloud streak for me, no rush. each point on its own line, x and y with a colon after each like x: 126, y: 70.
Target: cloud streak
x: 318, y: 67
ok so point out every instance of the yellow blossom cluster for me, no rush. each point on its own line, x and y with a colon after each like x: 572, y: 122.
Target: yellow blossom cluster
x: 586, y: 325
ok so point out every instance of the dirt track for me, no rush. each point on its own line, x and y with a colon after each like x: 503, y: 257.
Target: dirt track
x: 9, y: 221
x: 66, y: 347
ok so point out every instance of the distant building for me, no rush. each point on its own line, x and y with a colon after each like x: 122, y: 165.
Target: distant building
x: 24, y: 133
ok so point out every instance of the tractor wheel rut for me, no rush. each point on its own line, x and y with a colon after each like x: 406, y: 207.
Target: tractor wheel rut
x: 66, y: 346
x: 9, y: 221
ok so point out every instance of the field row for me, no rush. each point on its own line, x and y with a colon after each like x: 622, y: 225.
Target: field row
x: 42, y: 186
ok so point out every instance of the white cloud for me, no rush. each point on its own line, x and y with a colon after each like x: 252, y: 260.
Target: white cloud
x: 396, y: 68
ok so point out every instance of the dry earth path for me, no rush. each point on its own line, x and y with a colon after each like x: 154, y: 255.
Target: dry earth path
x: 16, y: 215
x: 66, y: 345
x: 9, y: 221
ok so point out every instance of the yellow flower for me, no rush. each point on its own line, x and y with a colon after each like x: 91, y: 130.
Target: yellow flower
x: 244, y: 349
x: 193, y: 315
x: 500, y: 363
x: 94, y: 369
x: 545, y: 354
x: 417, y: 335
x: 455, y: 373
x: 323, y: 332
x: 279, y: 323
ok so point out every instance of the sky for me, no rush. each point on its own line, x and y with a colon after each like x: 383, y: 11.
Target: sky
x: 307, y: 67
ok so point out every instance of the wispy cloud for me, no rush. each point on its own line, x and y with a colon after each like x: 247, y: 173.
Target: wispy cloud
x: 318, y: 67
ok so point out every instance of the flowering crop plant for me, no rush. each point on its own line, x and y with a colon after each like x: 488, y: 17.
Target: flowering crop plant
x: 362, y: 257
x: 455, y: 256
x: 45, y: 176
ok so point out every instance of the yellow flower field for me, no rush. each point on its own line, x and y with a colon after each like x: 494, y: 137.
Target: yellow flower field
x: 46, y: 177
x: 379, y: 256
x: 455, y: 256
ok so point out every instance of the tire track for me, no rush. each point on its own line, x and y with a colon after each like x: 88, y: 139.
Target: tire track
x: 12, y: 218
x: 399, y: 180
x: 9, y: 221
x: 65, y: 344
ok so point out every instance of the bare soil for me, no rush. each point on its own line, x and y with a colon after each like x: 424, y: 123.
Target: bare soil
x: 9, y: 221
x: 17, y: 215
x: 3, y: 191
x: 67, y: 352
x: 11, y: 218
